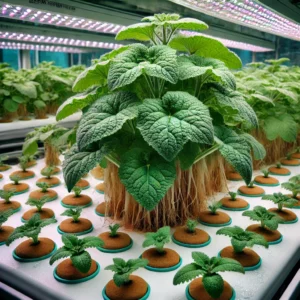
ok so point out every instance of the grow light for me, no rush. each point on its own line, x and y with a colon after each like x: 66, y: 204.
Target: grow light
x: 247, y: 13
x: 33, y: 38
x: 62, y: 20
x: 51, y: 48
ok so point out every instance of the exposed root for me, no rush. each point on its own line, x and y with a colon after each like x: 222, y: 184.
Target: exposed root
x: 51, y: 155
x: 40, y: 114
x: 23, y: 112
x: 8, y: 117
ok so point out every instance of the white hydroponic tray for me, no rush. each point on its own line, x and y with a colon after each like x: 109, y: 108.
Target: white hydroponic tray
x: 277, y: 261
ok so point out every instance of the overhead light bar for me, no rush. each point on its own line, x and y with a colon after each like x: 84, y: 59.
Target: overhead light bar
x: 24, y: 37
x: 62, y: 20
x: 246, y: 13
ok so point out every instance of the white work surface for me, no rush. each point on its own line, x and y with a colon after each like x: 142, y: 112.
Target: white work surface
x: 277, y: 261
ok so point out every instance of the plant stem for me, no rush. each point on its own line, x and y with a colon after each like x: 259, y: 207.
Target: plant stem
x: 35, y: 239
x: 149, y: 86
x: 160, y: 249
x: 207, y: 152
x: 280, y: 206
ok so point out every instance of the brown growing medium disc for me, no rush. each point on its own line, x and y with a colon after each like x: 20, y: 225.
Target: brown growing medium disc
x: 182, y: 235
x: 296, y: 155
x: 198, y: 292
x: 280, y: 171
x: 168, y: 258
x: 98, y: 173
x: 268, y: 234
x: 81, y: 200
x: 28, y: 250
x: 290, y: 162
x: 233, y: 176
x: 31, y: 163
x: 23, y: 174
x: 285, y: 214
x: 45, y: 213
x: 5, y: 168
x: 11, y: 205
x: 53, y: 181
x: 55, y: 171
x: 101, y: 187
x: 1, y: 176
x: 70, y: 226
x: 120, y: 241
x: 16, y: 187
x: 101, y: 208
x: 237, y: 203
x: 38, y: 194
x: 66, y: 270
x: 219, y: 218
x: 256, y: 190
x: 82, y: 183
x: 247, y: 258
x: 5, y: 232
x: 136, y: 289
x: 266, y: 180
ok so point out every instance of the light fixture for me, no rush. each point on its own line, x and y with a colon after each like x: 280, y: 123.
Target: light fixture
x: 246, y: 13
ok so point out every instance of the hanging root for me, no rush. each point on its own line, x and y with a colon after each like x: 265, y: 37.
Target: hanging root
x: 8, y: 117
x: 185, y: 199
x: 51, y: 155
x: 23, y: 112
x: 40, y: 113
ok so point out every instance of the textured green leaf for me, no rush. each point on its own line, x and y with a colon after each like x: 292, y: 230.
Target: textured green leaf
x: 39, y: 104
x: 236, y: 151
x: 146, y: 176
x: 112, y: 54
x: 157, y: 61
x: 10, y: 105
x: 200, y: 258
x: 206, y: 47
x: 284, y: 93
x: 259, y: 151
x: 188, y: 155
x: 238, y: 245
x: 187, y: 273
x: 227, y: 264
x: 168, y: 124
x: 30, y: 146
x: 139, y: 31
x: 59, y: 254
x: 27, y: 89
x: 82, y: 262
x: 262, y: 98
x: 105, y: 117
x: 213, y: 284
x: 230, y: 231
x: 92, y: 242
x: 282, y: 126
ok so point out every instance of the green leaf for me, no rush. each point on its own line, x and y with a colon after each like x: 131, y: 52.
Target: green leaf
x: 39, y: 104
x: 30, y: 146
x: 236, y: 151
x: 94, y: 75
x: 27, y: 89
x: 284, y: 93
x: 230, y: 231
x: 213, y: 284
x: 112, y: 54
x: 288, y: 128
x: 259, y: 151
x: 105, y: 117
x: 200, y: 258
x: 156, y: 61
x: 146, y: 176
x: 18, y: 99
x: 238, y: 245
x: 262, y: 98
x: 82, y: 262
x: 139, y: 31
x: 187, y: 273
x: 92, y: 242
x: 206, y: 47
x: 70, y: 240
x: 59, y: 254
x: 227, y: 264
x: 184, y: 24
x: 168, y: 124
x: 10, y: 105
x: 188, y: 155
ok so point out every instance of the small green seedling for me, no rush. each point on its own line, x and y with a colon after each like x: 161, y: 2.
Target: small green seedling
x: 2, y: 159
x: 191, y: 225
x: 240, y: 238
x: 297, y: 150
x: 278, y: 165
x: 208, y: 268
x: 4, y: 216
x: 280, y: 200
x: 123, y: 269
x: 74, y: 213
x: 47, y: 172
x: 43, y: 186
x: 38, y: 203
x: 15, y: 178
x: 266, y: 218
x: 30, y: 229
x: 214, y: 207
x: 23, y: 163
x: 114, y: 230
x: 251, y: 184
x: 232, y: 196
x: 295, y: 179
x: 266, y: 173
x: 75, y: 249
x: 292, y: 186
x: 289, y: 156
x: 77, y: 191
x: 6, y: 195
x: 158, y: 239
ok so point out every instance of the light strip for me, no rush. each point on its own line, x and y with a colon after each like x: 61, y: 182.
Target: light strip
x: 62, y: 20
x: 23, y: 46
x: 246, y: 13
x: 56, y: 40
x: 231, y: 43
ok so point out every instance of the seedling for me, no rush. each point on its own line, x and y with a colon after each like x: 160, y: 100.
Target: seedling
x: 74, y: 213
x: 77, y: 191
x: 24, y: 160
x: 232, y: 196
x: 240, y: 238
x: 30, y: 229
x: 191, y: 225
x: 158, y: 239
x: 23, y: 164
x: 265, y: 217
x: 209, y: 269
x: 295, y: 179
x: 114, y: 230
x: 278, y: 165
x: 251, y: 184
x: 43, y: 186
x: 214, y: 207
x: 289, y: 156
x: 123, y: 269
x: 2, y: 159
x: 47, y: 172
x: 75, y: 249
x: 266, y: 173
x: 15, y: 178
x: 294, y: 187
x: 4, y: 216
x: 38, y: 203
x: 280, y: 200
x: 6, y: 195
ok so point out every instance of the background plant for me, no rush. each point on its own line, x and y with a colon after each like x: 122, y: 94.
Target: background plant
x: 280, y: 200
x: 77, y: 191
x: 4, y: 216
x: 114, y: 230
x: 6, y: 195
x: 74, y: 213
x: 214, y: 207
x: 191, y: 225
x: 292, y: 186
x: 15, y: 178
x: 158, y: 239
x: 3, y: 158
x: 43, y: 186
x: 38, y: 203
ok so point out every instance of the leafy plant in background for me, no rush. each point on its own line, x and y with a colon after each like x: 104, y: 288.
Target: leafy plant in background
x: 4, y: 216
x: 208, y: 268
x: 73, y: 213
x: 293, y: 186
x: 191, y: 225
x: 38, y: 203
x: 3, y: 166
x: 6, y: 195
x: 15, y: 178
x: 43, y: 186
x: 158, y: 239
x: 214, y: 207
x: 280, y: 200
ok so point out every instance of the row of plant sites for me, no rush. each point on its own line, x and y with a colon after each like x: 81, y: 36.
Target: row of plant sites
x: 171, y: 255
x: 34, y: 93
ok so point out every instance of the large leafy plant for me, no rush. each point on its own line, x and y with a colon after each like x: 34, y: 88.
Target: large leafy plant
x: 147, y: 108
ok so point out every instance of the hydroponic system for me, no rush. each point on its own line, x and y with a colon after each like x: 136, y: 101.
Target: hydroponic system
x: 158, y: 151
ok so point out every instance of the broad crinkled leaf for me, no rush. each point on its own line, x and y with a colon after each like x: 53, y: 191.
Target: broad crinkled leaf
x: 10, y: 105
x: 235, y: 150
x: 259, y: 151
x: 206, y: 47
x: 112, y: 54
x: 262, y: 98
x: 105, y: 117
x: 282, y: 126
x: 82, y: 262
x: 139, y: 31
x: 187, y: 273
x: 156, y: 61
x: 200, y: 259
x: 27, y: 89
x: 30, y: 146
x: 213, y: 284
x: 167, y: 124
x: 146, y: 176
x: 284, y: 93
x: 227, y: 264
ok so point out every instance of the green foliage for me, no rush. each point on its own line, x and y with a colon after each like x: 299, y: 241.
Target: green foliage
x: 265, y: 172
x: 295, y: 179
x: 251, y: 184
x: 6, y: 195
x: 47, y: 171
x: 280, y: 200
x: 292, y: 186
x: 232, y: 195
x: 123, y: 269
x: 191, y: 225
x: 208, y: 268
x: 158, y: 239
x: 75, y: 249
x: 259, y: 151
x: 30, y: 229
x: 38, y: 203
x: 2, y: 159
x: 74, y: 213
x: 77, y: 191
x: 114, y: 230
x: 4, y: 215
x: 265, y: 217
x: 214, y: 207
x: 241, y: 238
x: 43, y: 186
x: 15, y: 178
